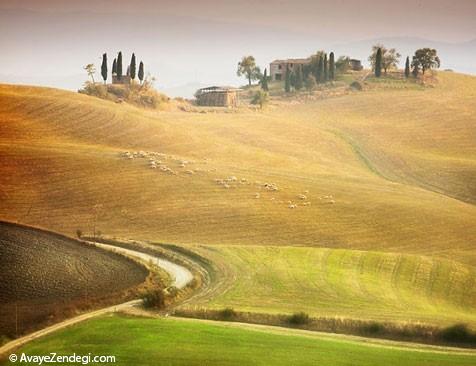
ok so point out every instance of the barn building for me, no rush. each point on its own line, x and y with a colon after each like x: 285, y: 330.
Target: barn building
x: 217, y: 96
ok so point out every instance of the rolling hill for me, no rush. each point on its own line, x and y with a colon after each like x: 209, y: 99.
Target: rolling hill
x: 374, y: 176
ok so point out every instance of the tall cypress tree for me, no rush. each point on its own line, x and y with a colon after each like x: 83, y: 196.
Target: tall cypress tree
x: 119, y: 66
x: 287, y: 82
x: 332, y: 66
x: 264, y: 81
x: 407, y: 67
x: 326, y: 69
x: 141, y: 72
x: 320, y: 71
x: 114, y: 67
x: 378, y: 63
x: 104, y: 67
x: 133, y: 67
x: 298, y: 82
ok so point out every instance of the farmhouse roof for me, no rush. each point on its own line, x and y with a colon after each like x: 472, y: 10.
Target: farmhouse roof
x: 292, y: 60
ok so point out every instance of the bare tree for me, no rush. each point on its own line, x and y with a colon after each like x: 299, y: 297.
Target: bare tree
x: 91, y: 70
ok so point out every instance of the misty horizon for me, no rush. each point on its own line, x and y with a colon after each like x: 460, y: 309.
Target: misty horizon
x: 183, y: 46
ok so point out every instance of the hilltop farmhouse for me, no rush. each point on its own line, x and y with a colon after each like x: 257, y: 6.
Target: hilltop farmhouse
x: 278, y: 68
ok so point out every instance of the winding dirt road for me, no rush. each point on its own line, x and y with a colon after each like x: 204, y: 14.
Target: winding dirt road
x: 179, y: 275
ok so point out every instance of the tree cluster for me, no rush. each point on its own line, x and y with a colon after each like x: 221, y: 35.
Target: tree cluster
x: 117, y: 70
x: 384, y: 59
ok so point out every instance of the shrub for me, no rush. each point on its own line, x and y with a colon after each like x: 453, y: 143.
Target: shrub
x: 356, y: 85
x: 373, y: 328
x: 458, y: 333
x: 227, y: 314
x: 79, y: 233
x: 154, y: 299
x: 260, y: 98
x: 300, y: 318
x: 172, y: 291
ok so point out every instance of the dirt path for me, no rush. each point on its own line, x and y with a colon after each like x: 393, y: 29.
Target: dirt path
x: 180, y: 276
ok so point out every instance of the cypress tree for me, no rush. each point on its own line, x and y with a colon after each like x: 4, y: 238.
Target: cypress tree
x: 321, y: 71
x: 140, y: 74
x: 298, y: 82
x: 326, y: 69
x: 133, y: 67
x: 378, y: 63
x: 104, y: 67
x: 332, y: 66
x: 287, y: 82
x: 407, y: 67
x: 119, y: 66
x: 114, y: 67
x: 264, y: 81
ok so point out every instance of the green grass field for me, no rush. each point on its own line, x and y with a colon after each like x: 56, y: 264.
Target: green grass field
x: 347, y: 283
x: 181, y: 342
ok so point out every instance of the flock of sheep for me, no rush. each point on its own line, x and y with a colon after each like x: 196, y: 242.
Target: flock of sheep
x: 158, y: 160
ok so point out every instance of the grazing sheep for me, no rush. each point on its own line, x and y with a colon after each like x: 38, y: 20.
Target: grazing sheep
x: 292, y: 206
x: 257, y: 195
x: 226, y: 186
x: 302, y: 197
x: 189, y: 172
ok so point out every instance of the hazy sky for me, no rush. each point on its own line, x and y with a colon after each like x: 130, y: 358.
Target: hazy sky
x: 201, y: 41
x: 443, y: 20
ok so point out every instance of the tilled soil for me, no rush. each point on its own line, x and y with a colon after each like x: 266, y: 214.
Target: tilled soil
x: 44, y: 274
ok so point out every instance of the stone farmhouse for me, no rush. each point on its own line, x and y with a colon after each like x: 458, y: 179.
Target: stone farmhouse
x: 277, y: 68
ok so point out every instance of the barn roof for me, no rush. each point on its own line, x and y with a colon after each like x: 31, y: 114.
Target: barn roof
x: 218, y: 89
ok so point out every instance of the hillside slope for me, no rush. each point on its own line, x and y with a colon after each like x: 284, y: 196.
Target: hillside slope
x: 388, y: 170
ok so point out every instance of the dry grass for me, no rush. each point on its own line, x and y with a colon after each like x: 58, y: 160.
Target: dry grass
x: 59, y: 159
